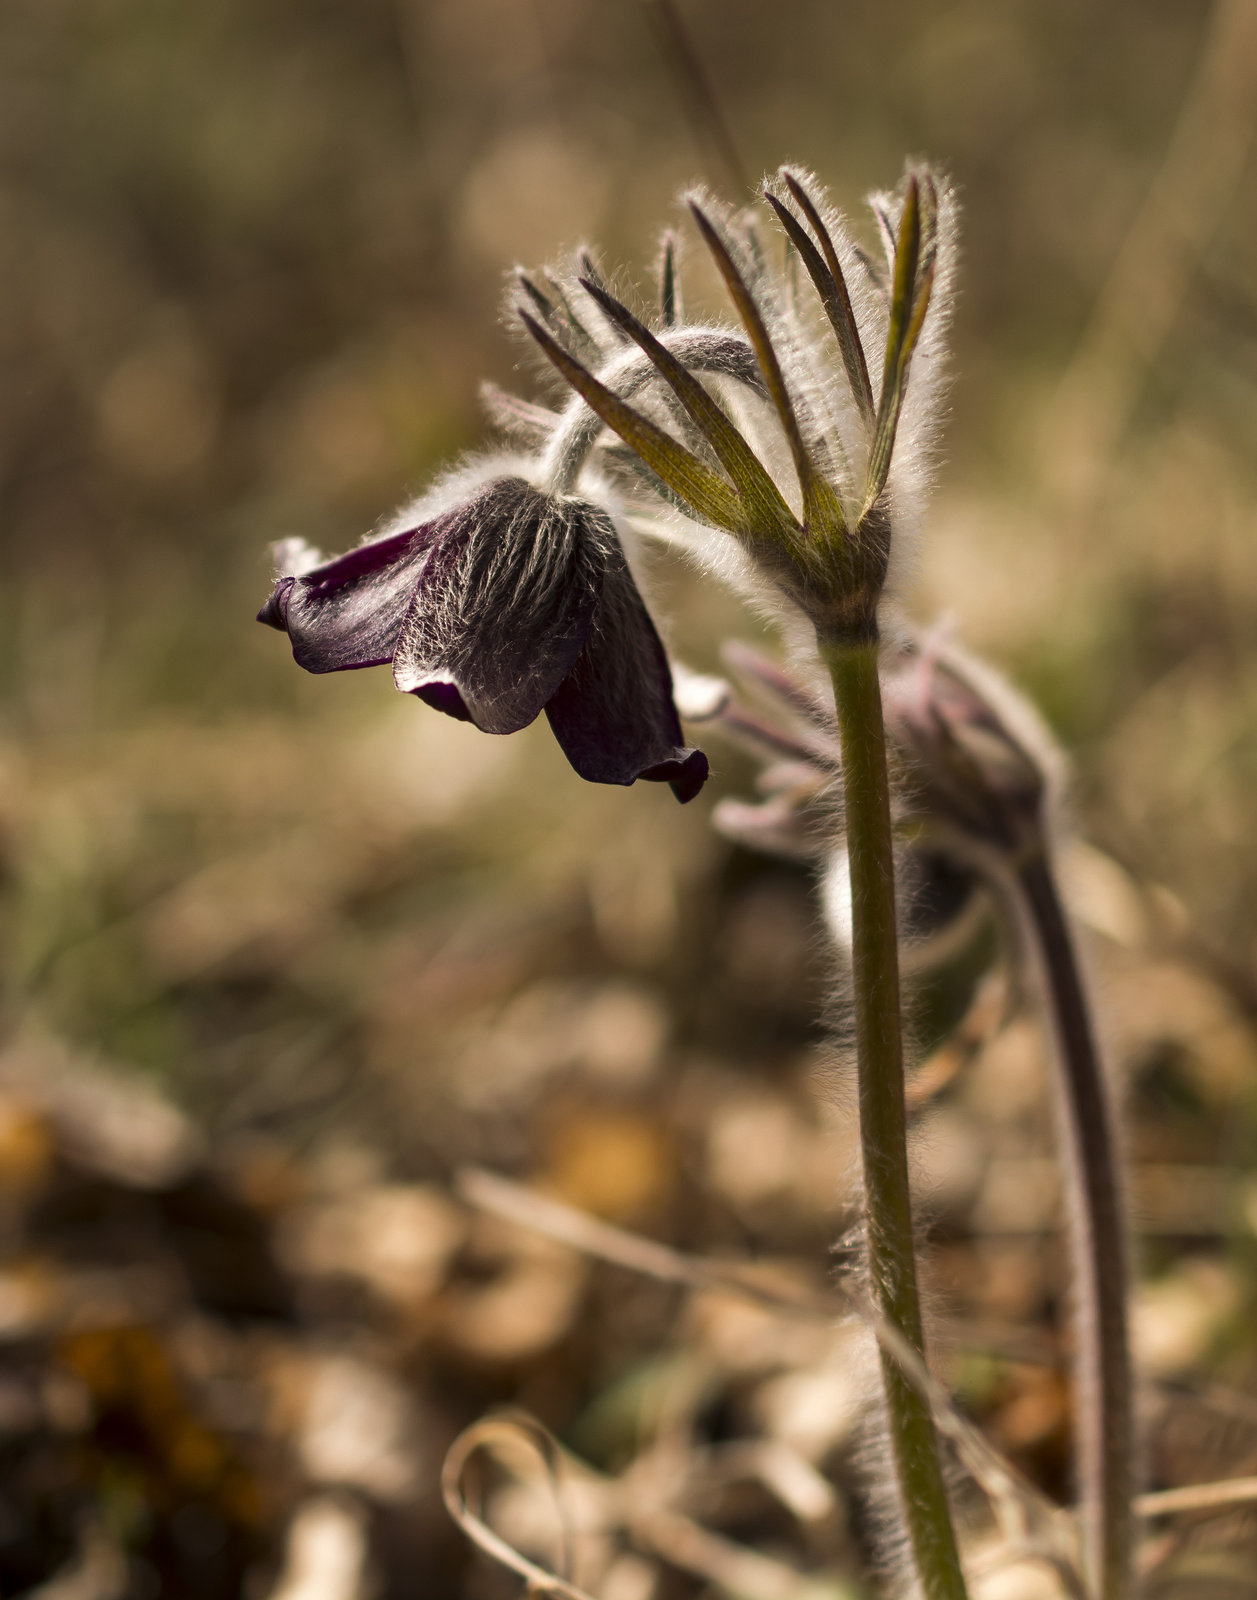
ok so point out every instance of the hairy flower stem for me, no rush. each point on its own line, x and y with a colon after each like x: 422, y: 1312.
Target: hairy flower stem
x: 883, y: 1120
x: 1103, y: 1404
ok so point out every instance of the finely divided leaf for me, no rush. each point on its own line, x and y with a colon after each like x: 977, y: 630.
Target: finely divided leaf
x: 832, y: 288
x: 767, y: 511
x: 529, y: 423
x: 753, y: 322
x: 708, y: 495
x: 910, y: 300
x: 670, y: 313
x: 822, y: 509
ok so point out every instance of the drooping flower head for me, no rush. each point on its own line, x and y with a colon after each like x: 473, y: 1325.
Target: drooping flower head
x: 505, y: 603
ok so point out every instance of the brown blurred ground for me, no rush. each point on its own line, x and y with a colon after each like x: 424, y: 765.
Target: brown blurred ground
x: 250, y: 266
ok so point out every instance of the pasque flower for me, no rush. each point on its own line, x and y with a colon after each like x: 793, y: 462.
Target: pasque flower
x: 787, y: 448
x: 508, y: 602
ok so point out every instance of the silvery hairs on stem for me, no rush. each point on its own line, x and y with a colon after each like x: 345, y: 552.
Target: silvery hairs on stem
x: 979, y: 789
x: 788, y: 449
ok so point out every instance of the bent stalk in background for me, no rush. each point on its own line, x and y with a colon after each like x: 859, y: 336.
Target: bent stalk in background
x: 1103, y: 1408
x: 984, y: 774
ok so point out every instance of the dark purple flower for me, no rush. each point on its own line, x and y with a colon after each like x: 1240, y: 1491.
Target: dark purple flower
x: 511, y: 602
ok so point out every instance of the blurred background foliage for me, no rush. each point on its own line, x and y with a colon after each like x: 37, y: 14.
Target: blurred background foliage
x: 251, y: 264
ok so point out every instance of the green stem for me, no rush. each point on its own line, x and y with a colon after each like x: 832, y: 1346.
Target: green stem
x: 883, y: 1120
x: 1103, y: 1405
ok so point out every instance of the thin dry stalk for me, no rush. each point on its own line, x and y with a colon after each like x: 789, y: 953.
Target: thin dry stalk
x: 1197, y: 1497
x: 1140, y: 299
x: 512, y: 1427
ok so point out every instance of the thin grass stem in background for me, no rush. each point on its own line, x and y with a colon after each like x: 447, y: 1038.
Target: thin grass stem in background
x: 702, y: 109
x: 1136, y: 307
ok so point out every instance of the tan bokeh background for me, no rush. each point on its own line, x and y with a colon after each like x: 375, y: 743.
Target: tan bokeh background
x: 251, y: 262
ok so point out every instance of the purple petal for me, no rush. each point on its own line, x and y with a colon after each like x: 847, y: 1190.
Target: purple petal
x: 348, y: 613
x: 275, y: 612
x: 614, y: 715
x: 503, y: 607
x: 444, y: 697
x: 685, y: 775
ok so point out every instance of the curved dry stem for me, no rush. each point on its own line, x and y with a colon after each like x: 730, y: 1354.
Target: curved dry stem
x: 636, y: 1504
x: 508, y: 1427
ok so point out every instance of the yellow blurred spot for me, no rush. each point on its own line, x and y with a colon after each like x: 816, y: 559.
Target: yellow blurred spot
x: 1175, y: 1320
x: 1037, y: 1407
x: 611, y: 1163
x: 26, y: 1148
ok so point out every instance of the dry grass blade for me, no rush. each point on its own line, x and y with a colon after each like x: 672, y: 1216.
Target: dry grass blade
x: 831, y: 285
x: 767, y: 511
x: 1215, y: 1498
x: 701, y: 106
x: 735, y: 1568
x: 707, y: 495
x: 653, y: 1526
x: 1030, y: 1524
x: 787, y: 1474
x: 508, y: 1427
x: 501, y: 1197
x: 1156, y: 265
